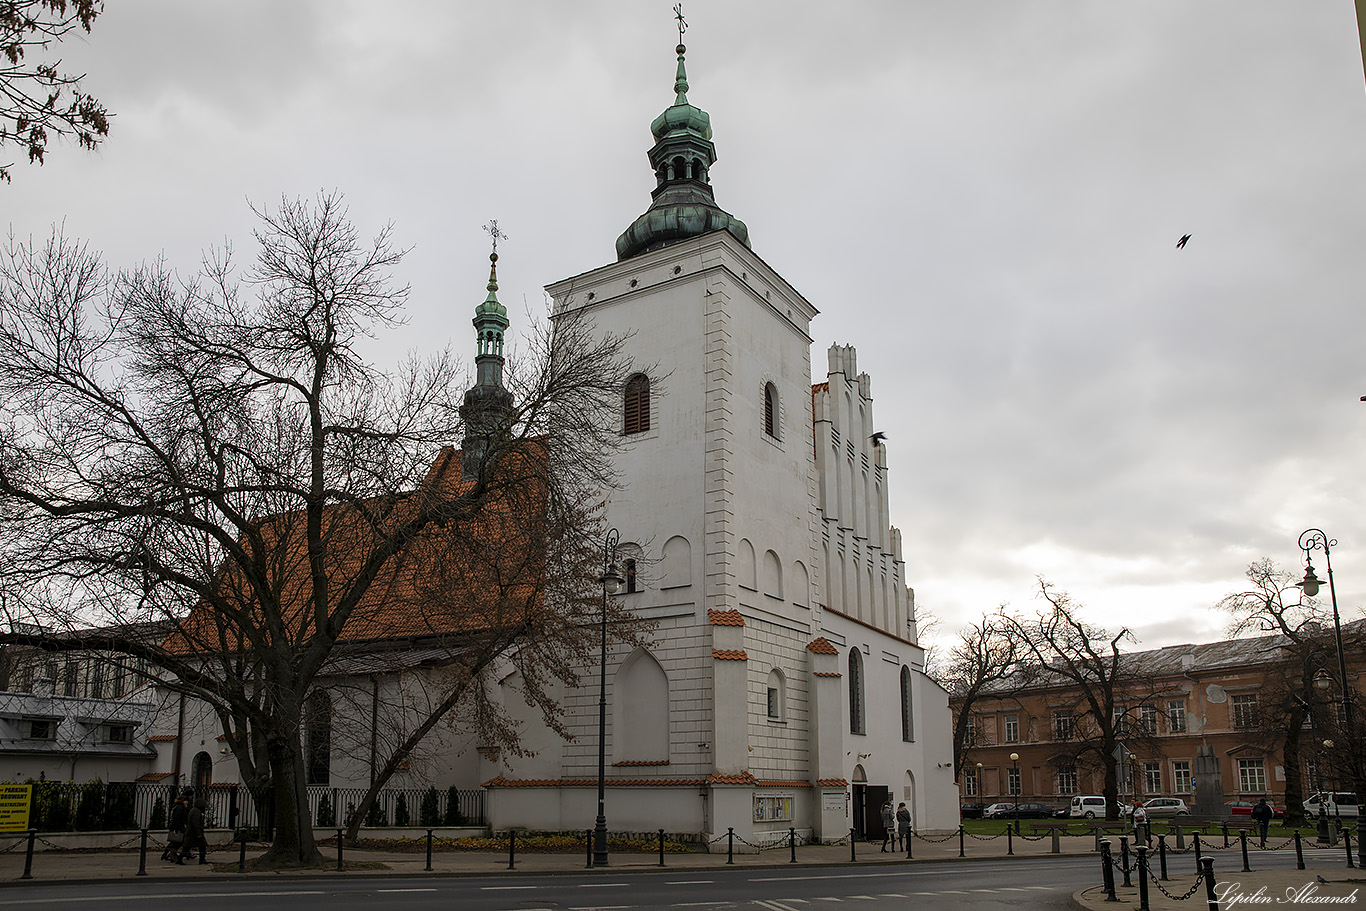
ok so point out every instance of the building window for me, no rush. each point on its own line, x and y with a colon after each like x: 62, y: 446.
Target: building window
x: 970, y: 783
x: 1152, y: 778
x: 318, y: 742
x: 1067, y: 780
x: 1062, y: 725
x: 636, y: 418
x: 1147, y: 718
x: 97, y: 680
x: 1012, y: 728
x: 907, y: 719
x: 1244, y: 710
x: 41, y: 729
x: 71, y: 677
x: 1181, y: 776
x: 1119, y: 720
x: 856, y: 725
x: 773, y: 703
x: 777, y: 695
x: 1176, y: 717
x: 118, y: 733
x: 771, y: 410
x: 1251, y: 776
x: 1013, y: 780
x: 631, y: 583
x: 970, y: 731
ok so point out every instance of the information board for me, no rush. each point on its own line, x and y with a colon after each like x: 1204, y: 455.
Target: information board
x: 14, y: 804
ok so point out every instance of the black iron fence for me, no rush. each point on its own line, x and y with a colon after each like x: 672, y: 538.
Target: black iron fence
x: 63, y: 806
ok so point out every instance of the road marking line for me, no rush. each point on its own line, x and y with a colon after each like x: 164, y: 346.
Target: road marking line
x: 687, y: 882
x: 502, y: 888
x: 141, y: 897
x: 602, y: 886
x: 408, y: 890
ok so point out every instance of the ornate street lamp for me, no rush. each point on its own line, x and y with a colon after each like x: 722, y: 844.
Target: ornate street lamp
x: 1311, y: 540
x: 1321, y: 682
x: 1015, y: 765
x: 611, y: 584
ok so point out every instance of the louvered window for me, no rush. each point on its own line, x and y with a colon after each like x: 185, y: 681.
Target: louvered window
x: 771, y: 411
x: 637, y: 410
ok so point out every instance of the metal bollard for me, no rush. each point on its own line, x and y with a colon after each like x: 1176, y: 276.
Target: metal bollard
x: 241, y: 850
x: 428, y: 868
x: 1124, y: 859
x: 1242, y: 837
x: 589, y: 840
x: 1225, y: 835
x: 960, y: 840
x: 661, y: 847
x: 1180, y: 838
x: 1057, y: 844
x: 1347, y: 840
x: 1142, y: 878
x: 1162, y: 855
x: 1196, y: 842
x: 909, y: 836
x: 792, y: 842
x: 28, y: 855
x: 1107, y: 873
x: 1209, y: 884
x: 142, y: 855
x: 339, y: 850
x: 730, y: 844
x: 512, y: 849
x: 853, y: 843
x: 1299, y: 852
x: 1010, y: 841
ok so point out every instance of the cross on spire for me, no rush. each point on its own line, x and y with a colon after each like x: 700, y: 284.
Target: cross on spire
x: 682, y: 24
x: 491, y: 229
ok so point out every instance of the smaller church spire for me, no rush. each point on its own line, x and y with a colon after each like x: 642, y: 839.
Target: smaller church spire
x: 681, y: 80
x: 487, y: 409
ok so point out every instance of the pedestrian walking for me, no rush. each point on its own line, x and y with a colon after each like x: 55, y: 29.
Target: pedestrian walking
x: 888, y: 825
x: 1262, y: 814
x: 175, y: 834
x: 903, y: 826
x: 1140, y: 816
x: 194, y: 833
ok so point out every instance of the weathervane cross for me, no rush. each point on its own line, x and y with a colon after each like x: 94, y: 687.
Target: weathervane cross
x: 496, y: 235
x: 682, y: 24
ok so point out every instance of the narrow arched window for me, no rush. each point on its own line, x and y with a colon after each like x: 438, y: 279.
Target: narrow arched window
x: 856, y: 720
x: 631, y: 583
x: 907, y: 715
x: 771, y: 410
x: 636, y: 417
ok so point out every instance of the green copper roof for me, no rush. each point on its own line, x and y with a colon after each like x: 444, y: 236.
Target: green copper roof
x: 681, y: 115
x: 491, y: 309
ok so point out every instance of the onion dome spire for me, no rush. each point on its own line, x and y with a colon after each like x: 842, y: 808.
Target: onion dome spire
x: 487, y: 409
x: 683, y: 203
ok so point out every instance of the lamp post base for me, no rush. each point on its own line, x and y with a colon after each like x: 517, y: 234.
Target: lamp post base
x: 600, y: 843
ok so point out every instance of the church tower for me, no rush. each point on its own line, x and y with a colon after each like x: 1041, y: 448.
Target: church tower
x: 487, y: 409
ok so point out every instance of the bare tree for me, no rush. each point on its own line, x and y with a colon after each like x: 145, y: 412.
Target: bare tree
x: 985, y: 660
x: 37, y: 98
x: 217, y: 451
x: 1108, y: 720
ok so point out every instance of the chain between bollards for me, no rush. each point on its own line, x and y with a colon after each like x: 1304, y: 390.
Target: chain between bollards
x: 428, y: 868
x: 339, y: 849
x: 1107, y: 872
x: 142, y: 855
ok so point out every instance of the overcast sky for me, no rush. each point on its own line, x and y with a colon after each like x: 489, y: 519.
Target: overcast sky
x: 984, y: 196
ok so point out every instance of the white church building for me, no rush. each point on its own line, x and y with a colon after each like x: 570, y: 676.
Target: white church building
x: 784, y: 686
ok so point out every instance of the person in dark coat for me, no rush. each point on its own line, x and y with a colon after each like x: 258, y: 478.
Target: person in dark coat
x: 175, y: 834
x: 194, y: 833
x: 903, y: 826
x: 888, y: 825
x: 1262, y: 814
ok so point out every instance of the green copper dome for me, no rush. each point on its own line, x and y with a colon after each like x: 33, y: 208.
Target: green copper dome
x: 683, y: 203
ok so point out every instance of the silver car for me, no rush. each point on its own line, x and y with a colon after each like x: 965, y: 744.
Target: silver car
x: 1166, y: 807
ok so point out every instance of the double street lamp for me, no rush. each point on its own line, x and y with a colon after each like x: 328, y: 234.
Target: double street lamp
x: 1311, y: 540
x: 611, y: 580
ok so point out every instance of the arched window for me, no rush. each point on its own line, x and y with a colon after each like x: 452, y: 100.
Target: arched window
x: 318, y: 738
x: 201, y: 774
x: 641, y: 712
x: 771, y: 410
x: 907, y: 714
x: 777, y: 696
x: 636, y: 417
x: 631, y: 583
x: 856, y: 720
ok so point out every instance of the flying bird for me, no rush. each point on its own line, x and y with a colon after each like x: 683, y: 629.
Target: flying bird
x: 878, y: 437
x: 1182, y: 242
x: 1322, y: 880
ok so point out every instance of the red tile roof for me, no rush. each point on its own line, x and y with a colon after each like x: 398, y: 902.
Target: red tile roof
x: 641, y: 762
x: 780, y: 783
x: 821, y: 646
x: 741, y: 778
x: 730, y: 617
x: 161, y: 738
x: 501, y: 782
x: 154, y: 776
x: 728, y: 654
x: 831, y: 783
x: 826, y: 674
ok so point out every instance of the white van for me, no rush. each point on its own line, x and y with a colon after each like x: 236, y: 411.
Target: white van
x: 1088, y: 807
x: 1337, y: 803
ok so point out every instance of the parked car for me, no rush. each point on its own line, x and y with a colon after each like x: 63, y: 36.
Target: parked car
x: 1165, y: 807
x: 970, y: 810
x: 1025, y: 811
x: 1243, y: 808
x: 1337, y: 803
x: 1091, y: 807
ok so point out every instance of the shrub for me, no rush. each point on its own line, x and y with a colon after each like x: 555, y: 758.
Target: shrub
x: 158, y: 820
x: 453, y: 815
x: 376, y: 817
x: 326, y: 817
x: 401, y: 810
x: 118, y: 807
x: 429, y: 814
x: 90, y: 806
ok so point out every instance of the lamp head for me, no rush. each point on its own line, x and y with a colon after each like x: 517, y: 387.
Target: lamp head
x: 1014, y: 757
x: 613, y: 579
x: 1310, y: 583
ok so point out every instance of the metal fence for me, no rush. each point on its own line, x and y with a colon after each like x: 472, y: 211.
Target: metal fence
x: 61, y: 806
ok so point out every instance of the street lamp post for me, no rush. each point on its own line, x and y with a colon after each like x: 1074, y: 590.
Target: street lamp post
x: 1321, y: 681
x: 1311, y: 540
x: 1015, y: 766
x: 611, y: 584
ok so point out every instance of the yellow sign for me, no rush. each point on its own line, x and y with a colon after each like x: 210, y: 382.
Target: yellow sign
x: 14, y: 804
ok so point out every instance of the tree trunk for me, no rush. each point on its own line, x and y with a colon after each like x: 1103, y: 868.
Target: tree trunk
x: 1294, y: 783
x: 293, y: 844
x: 1111, y: 789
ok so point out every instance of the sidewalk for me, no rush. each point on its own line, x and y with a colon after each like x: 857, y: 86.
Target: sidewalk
x: 104, y: 865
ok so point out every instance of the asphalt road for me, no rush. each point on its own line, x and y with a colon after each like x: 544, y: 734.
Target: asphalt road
x: 1035, y: 882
